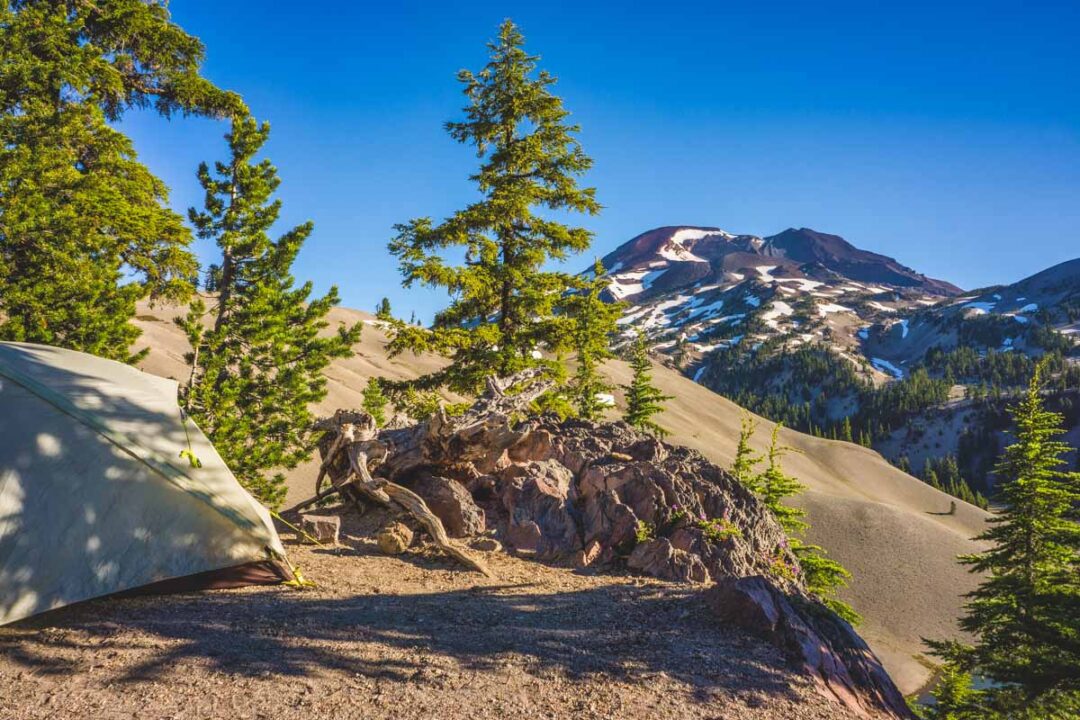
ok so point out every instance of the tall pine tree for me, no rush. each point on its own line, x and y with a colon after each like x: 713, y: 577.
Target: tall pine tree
x: 258, y: 353
x: 85, y: 230
x: 643, y: 399
x: 592, y: 325
x: 503, y: 303
x: 1025, y: 615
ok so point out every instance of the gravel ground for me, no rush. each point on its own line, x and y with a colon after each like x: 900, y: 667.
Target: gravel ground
x: 411, y: 636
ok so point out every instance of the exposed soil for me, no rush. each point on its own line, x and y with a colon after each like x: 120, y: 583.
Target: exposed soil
x: 411, y: 636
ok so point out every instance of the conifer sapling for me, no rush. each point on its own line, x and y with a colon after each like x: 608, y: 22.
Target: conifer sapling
x: 258, y: 353
x: 643, y: 399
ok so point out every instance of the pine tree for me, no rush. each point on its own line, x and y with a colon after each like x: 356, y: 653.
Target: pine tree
x: 745, y: 458
x: 1025, y: 615
x: 953, y: 697
x: 375, y: 401
x: 643, y: 400
x: 775, y: 485
x: 846, y: 431
x: 681, y: 352
x: 257, y: 355
x: 823, y: 576
x: 503, y: 304
x: 592, y: 324
x: 382, y: 310
x: 80, y: 217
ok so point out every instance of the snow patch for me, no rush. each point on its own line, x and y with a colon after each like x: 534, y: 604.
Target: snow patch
x: 886, y: 366
x: 650, y: 278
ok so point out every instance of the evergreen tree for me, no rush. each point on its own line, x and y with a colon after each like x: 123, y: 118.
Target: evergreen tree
x: 846, y: 431
x: 1025, y: 615
x: 745, y: 458
x: 85, y: 229
x: 823, y: 576
x: 258, y: 365
x: 375, y: 401
x: 592, y: 324
x: 503, y: 302
x: 681, y: 351
x: 774, y: 485
x: 382, y: 310
x: 953, y: 697
x: 643, y: 400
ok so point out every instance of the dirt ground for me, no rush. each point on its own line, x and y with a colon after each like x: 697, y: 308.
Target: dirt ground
x: 411, y: 636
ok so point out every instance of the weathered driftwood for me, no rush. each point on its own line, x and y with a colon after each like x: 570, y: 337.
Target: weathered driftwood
x: 363, y: 462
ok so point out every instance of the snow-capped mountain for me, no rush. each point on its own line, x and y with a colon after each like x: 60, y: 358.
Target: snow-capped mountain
x: 805, y: 328
x: 694, y: 290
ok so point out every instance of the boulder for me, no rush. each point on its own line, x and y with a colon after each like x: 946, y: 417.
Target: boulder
x: 394, y: 539
x: 608, y: 520
x: 452, y: 504
x: 818, y: 642
x: 323, y: 528
x: 658, y: 558
x: 538, y: 499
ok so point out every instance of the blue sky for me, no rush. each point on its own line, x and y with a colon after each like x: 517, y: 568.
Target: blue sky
x: 944, y: 134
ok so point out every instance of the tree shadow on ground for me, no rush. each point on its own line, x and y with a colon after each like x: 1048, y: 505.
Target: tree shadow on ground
x: 622, y: 632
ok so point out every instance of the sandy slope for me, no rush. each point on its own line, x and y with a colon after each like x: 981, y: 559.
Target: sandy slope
x: 880, y: 523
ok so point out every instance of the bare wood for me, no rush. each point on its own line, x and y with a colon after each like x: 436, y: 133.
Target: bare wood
x: 362, y: 461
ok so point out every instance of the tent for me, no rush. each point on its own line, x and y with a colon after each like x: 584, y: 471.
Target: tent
x: 99, y: 492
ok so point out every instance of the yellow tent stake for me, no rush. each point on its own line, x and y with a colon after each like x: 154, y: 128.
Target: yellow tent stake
x: 278, y: 517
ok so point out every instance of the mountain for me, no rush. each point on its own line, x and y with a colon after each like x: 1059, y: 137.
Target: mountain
x: 890, y: 529
x: 694, y: 290
x: 805, y: 328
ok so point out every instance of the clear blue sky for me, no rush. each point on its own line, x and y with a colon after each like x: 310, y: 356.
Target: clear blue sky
x: 944, y: 134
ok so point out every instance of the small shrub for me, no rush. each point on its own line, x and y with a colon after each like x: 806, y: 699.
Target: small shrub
x: 644, y: 532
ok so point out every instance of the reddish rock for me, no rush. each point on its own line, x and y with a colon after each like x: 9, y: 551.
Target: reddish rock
x: 608, y: 520
x: 538, y: 498
x: 658, y: 558
x: 822, y: 645
x: 322, y: 528
x: 536, y: 445
x: 452, y: 504
x: 589, y: 555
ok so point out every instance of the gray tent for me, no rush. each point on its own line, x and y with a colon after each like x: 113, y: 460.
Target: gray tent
x: 96, y: 497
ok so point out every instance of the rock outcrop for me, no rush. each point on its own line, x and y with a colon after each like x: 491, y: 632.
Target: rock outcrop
x: 589, y: 494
